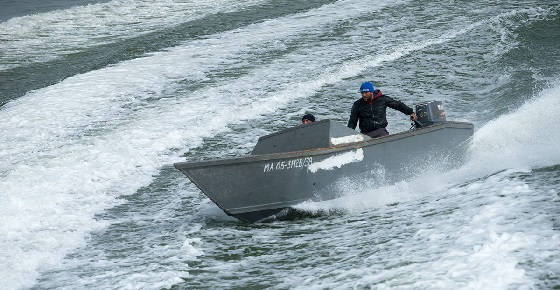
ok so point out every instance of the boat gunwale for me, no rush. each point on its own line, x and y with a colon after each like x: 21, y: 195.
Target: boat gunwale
x: 323, y: 150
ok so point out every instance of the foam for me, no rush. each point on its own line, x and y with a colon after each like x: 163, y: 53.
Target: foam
x: 46, y: 36
x: 526, y: 137
x: 508, y: 23
x: 485, y: 253
x: 473, y: 236
x: 118, y: 93
x: 347, y: 139
x: 71, y: 152
x: 337, y: 161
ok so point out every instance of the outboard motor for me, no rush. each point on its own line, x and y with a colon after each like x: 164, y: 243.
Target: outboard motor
x: 429, y: 113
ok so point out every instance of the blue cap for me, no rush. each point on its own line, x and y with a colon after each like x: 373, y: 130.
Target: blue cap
x: 366, y: 87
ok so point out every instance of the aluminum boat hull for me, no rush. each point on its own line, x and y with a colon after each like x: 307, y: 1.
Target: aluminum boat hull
x: 256, y: 187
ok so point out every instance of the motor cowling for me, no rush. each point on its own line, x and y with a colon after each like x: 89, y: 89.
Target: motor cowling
x: 429, y: 113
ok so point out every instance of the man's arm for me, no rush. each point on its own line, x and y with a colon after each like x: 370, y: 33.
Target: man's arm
x: 353, y: 118
x: 398, y: 105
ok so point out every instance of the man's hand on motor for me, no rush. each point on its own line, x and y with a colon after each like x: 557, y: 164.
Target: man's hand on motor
x: 413, y: 117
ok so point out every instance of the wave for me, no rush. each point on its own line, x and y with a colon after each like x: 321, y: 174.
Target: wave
x: 526, y: 137
x: 46, y: 36
x: 72, y: 148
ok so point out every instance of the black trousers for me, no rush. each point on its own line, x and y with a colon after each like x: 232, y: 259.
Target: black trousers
x: 377, y: 133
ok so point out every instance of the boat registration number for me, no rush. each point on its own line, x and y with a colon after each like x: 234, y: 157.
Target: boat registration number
x: 287, y: 164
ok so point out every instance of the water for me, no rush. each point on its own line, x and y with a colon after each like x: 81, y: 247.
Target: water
x: 99, y: 98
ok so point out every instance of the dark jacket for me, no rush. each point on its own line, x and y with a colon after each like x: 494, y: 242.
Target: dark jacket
x: 373, y: 114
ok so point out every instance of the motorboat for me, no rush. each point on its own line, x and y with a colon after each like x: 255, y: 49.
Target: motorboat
x: 308, y: 162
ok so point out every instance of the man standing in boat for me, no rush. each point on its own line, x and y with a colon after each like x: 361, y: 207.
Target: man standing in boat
x: 371, y: 111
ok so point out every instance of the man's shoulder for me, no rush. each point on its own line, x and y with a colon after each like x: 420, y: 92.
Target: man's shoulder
x: 385, y: 97
x: 359, y: 101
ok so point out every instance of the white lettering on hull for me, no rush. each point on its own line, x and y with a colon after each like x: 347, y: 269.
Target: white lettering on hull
x: 288, y: 164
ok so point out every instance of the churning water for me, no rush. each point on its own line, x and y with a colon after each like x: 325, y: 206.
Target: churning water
x: 99, y: 98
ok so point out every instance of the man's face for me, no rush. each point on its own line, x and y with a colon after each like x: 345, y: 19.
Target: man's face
x: 305, y: 121
x: 367, y: 95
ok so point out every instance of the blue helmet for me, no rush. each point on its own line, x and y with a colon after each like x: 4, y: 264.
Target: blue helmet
x: 366, y: 87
